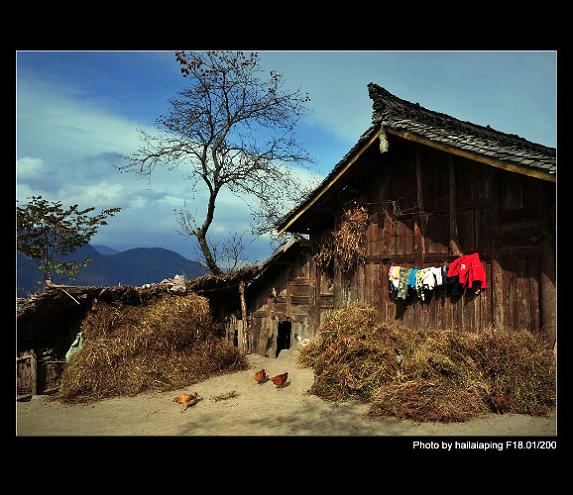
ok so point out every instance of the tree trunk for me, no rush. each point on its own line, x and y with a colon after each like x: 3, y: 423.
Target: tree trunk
x: 209, y: 260
x: 201, y: 233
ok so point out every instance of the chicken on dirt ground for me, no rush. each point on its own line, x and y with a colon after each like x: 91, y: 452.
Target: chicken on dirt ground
x: 280, y: 379
x: 187, y: 400
x: 261, y: 376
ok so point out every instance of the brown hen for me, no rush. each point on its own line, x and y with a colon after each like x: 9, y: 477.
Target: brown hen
x: 280, y: 379
x: 187, y: 400
x: 261, y: 376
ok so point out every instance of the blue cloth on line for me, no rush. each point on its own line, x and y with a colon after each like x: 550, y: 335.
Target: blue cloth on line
x: 412, y: 277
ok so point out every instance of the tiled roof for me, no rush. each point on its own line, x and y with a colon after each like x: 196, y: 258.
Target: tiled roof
x: 392, y: 112
x: 395, y: 113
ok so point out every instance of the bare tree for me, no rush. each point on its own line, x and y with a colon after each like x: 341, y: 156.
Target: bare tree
x: 228, y: 253
x: 232, y: 128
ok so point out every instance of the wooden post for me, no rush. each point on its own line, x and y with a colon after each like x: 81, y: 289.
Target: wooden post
x: 454, y: 247
x: 547, y: 278
x: 240, y: 335
x: 498, y: 300
x: 420, y: 223
x: 33, y: 372
x: 497, y: 297
x: 244, y: 317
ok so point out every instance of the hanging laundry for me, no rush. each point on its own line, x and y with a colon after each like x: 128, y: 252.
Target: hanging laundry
x: 419, y: 278
x: 451, y: 284
x: 76, y: 346
x: 412, y: 277
x: 444, y: 272
x: 394, y: 276
x: 432, y: 277
x: 469, y: 269
x: 403, y: 285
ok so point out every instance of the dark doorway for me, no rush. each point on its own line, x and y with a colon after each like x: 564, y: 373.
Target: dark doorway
x: 283, y: 337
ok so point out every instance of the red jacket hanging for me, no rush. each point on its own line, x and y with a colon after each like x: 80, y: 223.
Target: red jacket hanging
x: 470, y: 269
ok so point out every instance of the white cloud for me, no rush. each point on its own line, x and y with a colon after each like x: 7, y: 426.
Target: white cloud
x: 65, y: 143
x: 138, y: 202
x: 67, y: 123
x: 29, y: 168
x: 100, y: 195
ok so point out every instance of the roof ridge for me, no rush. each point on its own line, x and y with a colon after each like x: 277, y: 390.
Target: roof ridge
x: 385, y: 102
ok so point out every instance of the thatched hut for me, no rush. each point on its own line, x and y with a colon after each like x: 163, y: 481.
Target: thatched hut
x: 157, y: 336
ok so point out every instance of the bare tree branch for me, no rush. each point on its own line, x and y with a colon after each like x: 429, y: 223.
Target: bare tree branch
x: 233, y: 128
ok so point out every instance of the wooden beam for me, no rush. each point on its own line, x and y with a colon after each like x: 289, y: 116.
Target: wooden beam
x: 538, y: 174
x: 246, y: 347
x: 498, y: 299
x: 497, y: 293
x: 34, y: 372
x: 421, y: 221
x: 454, y: 247
x: 331, y: 182
x: 419, y: 184
x: 547, y: 278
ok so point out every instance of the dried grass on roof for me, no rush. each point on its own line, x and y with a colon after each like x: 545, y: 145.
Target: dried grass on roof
x: 165, y: 345
x: 445, y: 376
x: 208, y: 282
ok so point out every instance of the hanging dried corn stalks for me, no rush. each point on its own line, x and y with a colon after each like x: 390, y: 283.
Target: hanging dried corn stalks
x: 324, y: 254
x: 346, y: 245
x: 350, y: 239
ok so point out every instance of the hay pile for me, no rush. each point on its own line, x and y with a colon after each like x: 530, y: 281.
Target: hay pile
x: 166, y: 344
x: 442, y: 376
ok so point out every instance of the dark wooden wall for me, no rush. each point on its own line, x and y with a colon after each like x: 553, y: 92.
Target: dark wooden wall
x: 424, y: 206
x: 287, y: 290
x: 414, y: 217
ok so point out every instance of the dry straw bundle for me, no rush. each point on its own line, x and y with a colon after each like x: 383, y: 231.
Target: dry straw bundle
x: 346, y: 245
x: 324, y: 254
x: 167, y: 344
x: 441, y: 376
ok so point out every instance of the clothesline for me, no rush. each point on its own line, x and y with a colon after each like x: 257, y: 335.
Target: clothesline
x: 465, y: 271
x: 424, y: 204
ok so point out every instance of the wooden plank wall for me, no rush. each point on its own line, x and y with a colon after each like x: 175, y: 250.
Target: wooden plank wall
x: 289, y: 292
x: 495, y: 215
x: 26, y: 373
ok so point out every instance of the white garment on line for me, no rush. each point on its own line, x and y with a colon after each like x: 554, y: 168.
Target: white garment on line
x: 432, y: 277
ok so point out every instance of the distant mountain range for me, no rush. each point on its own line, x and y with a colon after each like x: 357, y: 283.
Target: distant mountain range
x: 111, y: 267
x: 105, y: 250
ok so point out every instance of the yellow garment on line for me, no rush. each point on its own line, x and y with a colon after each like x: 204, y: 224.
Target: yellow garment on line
x: 394, y: 275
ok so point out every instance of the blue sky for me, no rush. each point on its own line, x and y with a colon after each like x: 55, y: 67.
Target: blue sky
x: 76, y: 109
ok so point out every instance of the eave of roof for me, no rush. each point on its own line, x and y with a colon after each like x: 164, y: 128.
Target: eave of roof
x: 337, y: 172
x: 440, y: 131
x: 495, y: 147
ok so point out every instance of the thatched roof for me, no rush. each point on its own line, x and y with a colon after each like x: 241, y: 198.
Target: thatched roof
x: 207, y: 283
x: 247, y: 274
x: 58, y: 306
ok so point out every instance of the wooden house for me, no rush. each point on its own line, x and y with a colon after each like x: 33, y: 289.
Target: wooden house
x: 435, y: 188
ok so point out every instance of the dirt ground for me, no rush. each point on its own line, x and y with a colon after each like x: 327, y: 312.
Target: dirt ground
x: 257, y: 410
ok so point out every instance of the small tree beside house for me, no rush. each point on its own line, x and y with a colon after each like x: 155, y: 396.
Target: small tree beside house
x: 46, y: 231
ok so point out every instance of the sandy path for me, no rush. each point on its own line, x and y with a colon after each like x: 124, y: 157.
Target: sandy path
x: 258, y: 410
